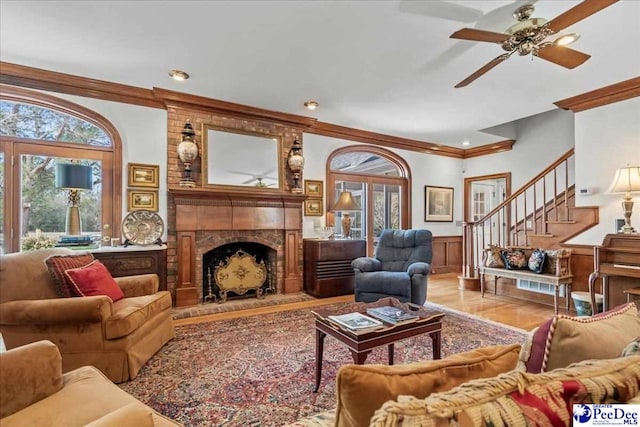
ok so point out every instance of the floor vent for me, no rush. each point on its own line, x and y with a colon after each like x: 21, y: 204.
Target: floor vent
x: 541, y: 288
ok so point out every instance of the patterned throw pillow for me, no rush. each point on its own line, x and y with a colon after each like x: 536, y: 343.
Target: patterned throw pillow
x: 563, y: 340
x: 514, y: 259
x: 550, y: 265
x: 57, y: 264
x: 493, y: 257
x: 632, y: 349
x: 537, y: 260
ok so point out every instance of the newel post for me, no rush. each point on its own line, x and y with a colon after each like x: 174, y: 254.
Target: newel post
x: 468, y: 280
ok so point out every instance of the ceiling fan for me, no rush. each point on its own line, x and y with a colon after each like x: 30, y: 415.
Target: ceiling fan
x: 530, y: 36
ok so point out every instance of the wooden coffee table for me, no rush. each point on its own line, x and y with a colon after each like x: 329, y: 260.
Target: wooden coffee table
x: 361, y: 345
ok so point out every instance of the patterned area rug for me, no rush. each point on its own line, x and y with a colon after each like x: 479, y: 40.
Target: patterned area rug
x: 259, y: 370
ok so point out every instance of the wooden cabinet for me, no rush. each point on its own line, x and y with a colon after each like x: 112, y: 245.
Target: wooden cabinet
x: 135, y: 260
x: 327, y: 266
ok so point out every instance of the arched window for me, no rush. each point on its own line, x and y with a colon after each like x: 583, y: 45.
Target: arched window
x: 379, y: 181
x: 38, y: 132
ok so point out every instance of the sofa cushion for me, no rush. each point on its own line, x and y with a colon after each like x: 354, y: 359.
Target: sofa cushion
x: 385, y: 283
x: 380, y: 383
x: 58, y: 264
x: 519, y: 398
x: 94, y: 279
x: 132, y: 415
x: 563, y: 340
x: 131, y: 313
x: 514, y: 259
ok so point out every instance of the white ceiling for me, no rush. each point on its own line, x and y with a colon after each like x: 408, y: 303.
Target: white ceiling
x: 383, y: 66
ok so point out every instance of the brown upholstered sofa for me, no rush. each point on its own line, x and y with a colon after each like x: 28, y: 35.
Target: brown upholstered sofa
x: 566, y: 360
x: 115, y: 337
x: 35, y: 393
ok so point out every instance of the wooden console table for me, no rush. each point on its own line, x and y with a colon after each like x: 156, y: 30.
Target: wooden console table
x: 327, y: 266
x: 618, y: 256
x: 133, y: 260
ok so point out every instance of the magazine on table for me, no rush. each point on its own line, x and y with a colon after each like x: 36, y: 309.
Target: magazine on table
x: 356, y: 322
x: 393, y: 315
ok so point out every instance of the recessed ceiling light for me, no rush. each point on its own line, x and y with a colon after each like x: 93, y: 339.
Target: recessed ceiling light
x: 178, y: 75
x: 466, y: 143
x: 566, y: 39
x: 311, y: 105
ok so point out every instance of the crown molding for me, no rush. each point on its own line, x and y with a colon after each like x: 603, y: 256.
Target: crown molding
x: 343, y: 132
x: 597, y: 98
x: 494, y: 147
x: 36, y: 78
x: 170, y: 98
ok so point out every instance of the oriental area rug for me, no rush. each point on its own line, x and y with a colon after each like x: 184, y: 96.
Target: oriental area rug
x: 259, y: 370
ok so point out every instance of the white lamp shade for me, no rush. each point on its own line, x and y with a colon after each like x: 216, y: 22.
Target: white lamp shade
x: 627, y: 180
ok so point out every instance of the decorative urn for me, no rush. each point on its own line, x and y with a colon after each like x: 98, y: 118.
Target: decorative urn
x: 188, y: 153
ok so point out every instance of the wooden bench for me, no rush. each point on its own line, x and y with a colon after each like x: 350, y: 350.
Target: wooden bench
x: 562, y: 276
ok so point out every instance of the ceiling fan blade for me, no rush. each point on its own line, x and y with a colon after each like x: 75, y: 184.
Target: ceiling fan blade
x: 481, y: 71
x: 479, y: 35
x: 578, y: 13
x: 562, y: 55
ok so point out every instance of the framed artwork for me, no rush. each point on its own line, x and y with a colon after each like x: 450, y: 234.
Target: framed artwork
x: 141, y: 175
x: 313, y: 188
x: 438, y: 204
x: 313, y: 207
x: 142, y: 199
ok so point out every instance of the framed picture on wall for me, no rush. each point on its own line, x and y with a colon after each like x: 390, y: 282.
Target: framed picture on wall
x: 313, y: 207
x: 141, y: 175
x: 142, y: 199
x: 313, y: 188
x: 438, y: 204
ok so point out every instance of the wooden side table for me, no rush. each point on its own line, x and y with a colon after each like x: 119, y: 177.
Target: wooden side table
x: 133, y: 260
x: 327, y: 266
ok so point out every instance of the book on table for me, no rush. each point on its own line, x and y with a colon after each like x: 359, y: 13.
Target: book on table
x: 392, y: 315
x: 356, y: 322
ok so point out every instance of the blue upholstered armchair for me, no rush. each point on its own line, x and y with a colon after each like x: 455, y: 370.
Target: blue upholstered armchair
x: 399, y: 268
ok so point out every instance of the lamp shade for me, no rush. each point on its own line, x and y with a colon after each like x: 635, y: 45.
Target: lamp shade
x: 346, y: 202
x: 74, y: 176
x: 627, y: 180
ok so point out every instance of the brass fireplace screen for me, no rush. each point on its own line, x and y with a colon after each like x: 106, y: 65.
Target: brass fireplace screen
x: 239, y: 273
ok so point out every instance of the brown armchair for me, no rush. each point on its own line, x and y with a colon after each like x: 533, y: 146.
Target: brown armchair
x: 116, y: 337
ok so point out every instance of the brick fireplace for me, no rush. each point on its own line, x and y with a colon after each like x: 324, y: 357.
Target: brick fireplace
x: 205, y: 220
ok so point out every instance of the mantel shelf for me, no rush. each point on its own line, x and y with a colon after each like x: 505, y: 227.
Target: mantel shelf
x: 236, y: 194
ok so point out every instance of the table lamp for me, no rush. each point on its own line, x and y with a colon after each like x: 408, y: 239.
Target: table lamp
x: 73, y: 177
x: 627, y: 181
x: 345, y: 204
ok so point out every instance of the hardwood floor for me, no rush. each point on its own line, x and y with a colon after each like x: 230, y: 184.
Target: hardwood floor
x: 443, y: 290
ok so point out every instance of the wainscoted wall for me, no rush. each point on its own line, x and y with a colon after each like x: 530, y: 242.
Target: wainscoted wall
x: 447, y: 254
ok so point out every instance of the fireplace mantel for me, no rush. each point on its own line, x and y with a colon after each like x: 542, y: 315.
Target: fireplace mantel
x: 225, y: 210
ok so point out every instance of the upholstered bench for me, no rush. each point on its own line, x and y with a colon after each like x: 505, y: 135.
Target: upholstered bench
x: 555, y: 270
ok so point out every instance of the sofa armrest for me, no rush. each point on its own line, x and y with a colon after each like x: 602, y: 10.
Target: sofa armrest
x: 29, y: 373
x: 137, y: 286
x: 53, y: 311
x: 365, y: 264
x: 419, y: 268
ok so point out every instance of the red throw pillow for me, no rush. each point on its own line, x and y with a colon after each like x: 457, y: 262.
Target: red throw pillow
x: 94, y: 279
x: 57, y: 264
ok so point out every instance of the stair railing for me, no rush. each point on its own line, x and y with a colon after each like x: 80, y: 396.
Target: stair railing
x: 525, y: 213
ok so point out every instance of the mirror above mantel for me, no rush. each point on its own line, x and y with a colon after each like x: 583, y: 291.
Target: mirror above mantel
x: 240, y: 158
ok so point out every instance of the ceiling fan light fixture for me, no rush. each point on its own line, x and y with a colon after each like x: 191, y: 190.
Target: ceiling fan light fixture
x: 566, y: 39
x: 178, y: 75
x: 311, y: 105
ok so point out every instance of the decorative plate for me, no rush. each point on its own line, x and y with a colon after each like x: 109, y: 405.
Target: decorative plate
x: 142, y: 227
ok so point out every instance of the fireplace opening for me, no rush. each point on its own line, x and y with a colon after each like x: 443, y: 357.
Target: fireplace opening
x: 239, y: 269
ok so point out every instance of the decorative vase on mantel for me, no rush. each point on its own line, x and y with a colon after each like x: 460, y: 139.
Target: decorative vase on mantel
x: 188, y: 153
x: 296, y: 164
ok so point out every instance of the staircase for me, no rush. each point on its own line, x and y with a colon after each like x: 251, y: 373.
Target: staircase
x: 542, y: 213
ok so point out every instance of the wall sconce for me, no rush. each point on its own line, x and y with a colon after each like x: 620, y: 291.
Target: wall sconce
x: 345, y: 204
x: 188, y: 153
x: 296, y: 164
x: 73, y: 177
x: 627, y: 180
